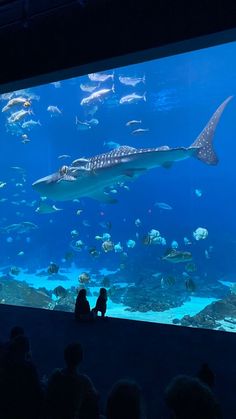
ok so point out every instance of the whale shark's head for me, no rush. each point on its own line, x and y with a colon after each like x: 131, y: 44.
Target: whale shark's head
x: 62, y: 185
x: 48, y: 184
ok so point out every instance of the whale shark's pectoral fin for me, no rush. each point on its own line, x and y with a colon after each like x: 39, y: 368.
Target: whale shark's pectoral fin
x: 134, y: 172
x: 102, y: 197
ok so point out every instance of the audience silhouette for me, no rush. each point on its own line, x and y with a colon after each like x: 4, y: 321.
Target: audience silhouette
x: 125, y: 401
x: 20, y: 390
x: 189, y: 398
x: 69, y: 394
x: 14, y: 332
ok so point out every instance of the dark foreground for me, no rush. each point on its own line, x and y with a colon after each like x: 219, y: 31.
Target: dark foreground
x: 149, y: 353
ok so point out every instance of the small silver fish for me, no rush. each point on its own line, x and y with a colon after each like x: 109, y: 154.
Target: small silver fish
x: 18, y: 168
x: 132, y: 81
x: 25, y: 141
x: 93, y: 122
x: 64, y: 156
x: 15, y: 101
x: 30, y: 124
x: 140, y: 131
x: 54, y: 110
x: 17, y: 116
x: 88, y: 87
x: 86, y: 125
x: 98, y: 95
x: 132, y: 98
x: 133, y: 122
x: 163, y: 205
x: 82, y: 126
x: 101, y: 77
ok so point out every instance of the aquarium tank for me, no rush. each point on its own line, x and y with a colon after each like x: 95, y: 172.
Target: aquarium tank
x: 124, y: 179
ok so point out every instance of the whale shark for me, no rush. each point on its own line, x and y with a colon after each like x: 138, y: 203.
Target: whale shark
x: 90, y: 177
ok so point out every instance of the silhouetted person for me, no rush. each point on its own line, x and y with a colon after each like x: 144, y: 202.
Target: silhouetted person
x: 20, y: 391
x: 70, y: 394
x: 82, y: 307
x: 125, y: 401
x: 206, y: 375
x: 14, y: 332
x: 189, y: 398
x: 101, y: 304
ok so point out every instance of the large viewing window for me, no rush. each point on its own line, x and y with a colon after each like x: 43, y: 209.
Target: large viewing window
x: 124, y: 179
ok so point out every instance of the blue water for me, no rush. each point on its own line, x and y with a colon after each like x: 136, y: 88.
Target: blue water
x: 182, y: 93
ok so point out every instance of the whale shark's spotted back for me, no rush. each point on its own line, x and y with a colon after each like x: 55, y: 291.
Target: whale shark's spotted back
x: 116, y: 156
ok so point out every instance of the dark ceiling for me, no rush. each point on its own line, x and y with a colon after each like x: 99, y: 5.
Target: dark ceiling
x: 41, y: 37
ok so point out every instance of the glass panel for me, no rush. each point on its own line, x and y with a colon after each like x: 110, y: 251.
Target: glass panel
x: 154, y: 225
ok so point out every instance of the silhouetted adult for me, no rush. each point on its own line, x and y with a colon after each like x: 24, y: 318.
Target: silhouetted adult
x: 101, y: 304
x: 125, y: 401
x: 14, y: 332
x: 20, y: 391
x: 70, y: 394
x: 188, y: 397
x: 82, y: 307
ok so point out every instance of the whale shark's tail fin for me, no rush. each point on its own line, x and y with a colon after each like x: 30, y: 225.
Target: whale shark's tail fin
x: 204, y: 141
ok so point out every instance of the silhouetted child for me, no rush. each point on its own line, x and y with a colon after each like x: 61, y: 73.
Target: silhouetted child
x: 82, y: 307
x: 101, y: 304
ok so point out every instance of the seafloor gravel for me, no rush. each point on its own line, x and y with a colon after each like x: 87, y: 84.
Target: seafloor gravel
x: 212, y: 315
